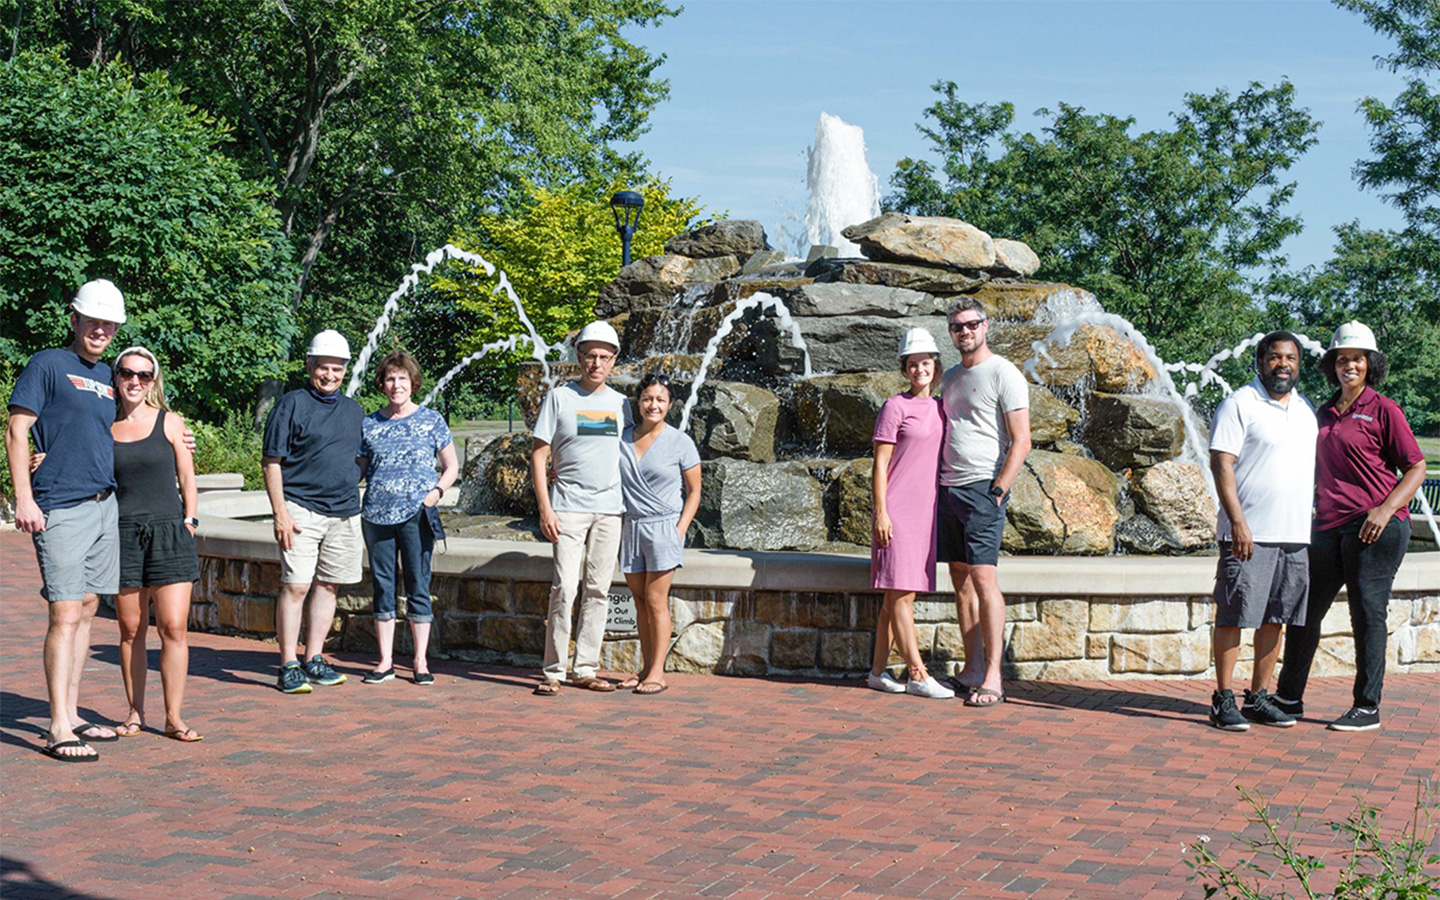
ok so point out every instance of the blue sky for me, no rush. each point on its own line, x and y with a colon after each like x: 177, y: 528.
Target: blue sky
x: 749, y: 79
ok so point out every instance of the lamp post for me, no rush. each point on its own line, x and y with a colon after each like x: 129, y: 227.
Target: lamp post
x: 626, y: 205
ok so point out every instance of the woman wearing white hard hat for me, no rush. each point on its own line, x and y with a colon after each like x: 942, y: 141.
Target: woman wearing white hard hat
x: 909, y: 432
x: 1367, y: 469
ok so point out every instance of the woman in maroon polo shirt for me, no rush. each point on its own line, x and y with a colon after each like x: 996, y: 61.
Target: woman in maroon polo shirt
x: 1367, y: 468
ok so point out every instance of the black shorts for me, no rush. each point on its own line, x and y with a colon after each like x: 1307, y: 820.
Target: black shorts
x: 971, y: 525
x: 155, y: 552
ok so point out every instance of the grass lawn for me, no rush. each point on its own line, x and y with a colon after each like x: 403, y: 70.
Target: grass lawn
x: 1431, y: 448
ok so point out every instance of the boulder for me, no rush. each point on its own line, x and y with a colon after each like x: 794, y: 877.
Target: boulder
x: 497, y: 480
x: 845, y: 343
x: 747, y: 285
x: 1127, y: 431
x: 1096, y: 355
x: 711, y: 269
x: 936, y: 240
x: 531, y: 388
x: 1140, y: 534
x: 649, y: 283
x: 731, y: 237
x: 682, y: 330
x: 1050, y: 417
x: 821, y: 251
x: 854, y: 501
x: 762, y: 259
x: 858, y: 300
x: 1062, y: 504
x: 900, y: 275
x: 1175, y: 496
x: 836, y: 413
x: 759, y: 506
x: 735, y: 420
x: 1015, y: 258
x: 1044, y: 302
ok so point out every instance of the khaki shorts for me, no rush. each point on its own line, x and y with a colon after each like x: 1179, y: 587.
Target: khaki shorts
x: 327, y: 548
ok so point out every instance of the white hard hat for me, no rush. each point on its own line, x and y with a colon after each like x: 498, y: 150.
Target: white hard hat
x: 599, y: 331
x: 1353, y: 336
x: 100, y: 299
x: 329, y: 343
x: 917, y: 340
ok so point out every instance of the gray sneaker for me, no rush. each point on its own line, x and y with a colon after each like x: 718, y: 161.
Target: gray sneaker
x: 292, y: 679
x: 1261, y: 709
x: 320, y: 672
x: 1224, y: 714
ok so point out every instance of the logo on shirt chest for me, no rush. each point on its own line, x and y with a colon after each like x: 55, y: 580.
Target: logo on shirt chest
x: 597, y: 423
x: 1364, y: 418
x: 99, y: 389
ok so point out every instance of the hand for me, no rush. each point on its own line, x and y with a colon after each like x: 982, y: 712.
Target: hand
x: 188, y: 437
x: 35, y: 460
x: 427, y: 501
x: 285, y: 530
x: 1242, y: 541
x: 550, y: 526
x: 192, y: 529
x: 884, y: 529
x: 1374, y: 525
x: 28, y: 517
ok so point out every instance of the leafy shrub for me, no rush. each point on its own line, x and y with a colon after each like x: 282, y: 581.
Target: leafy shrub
x: 233, y: 446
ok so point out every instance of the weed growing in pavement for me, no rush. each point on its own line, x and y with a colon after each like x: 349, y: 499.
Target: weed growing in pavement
x: 1401, y: 869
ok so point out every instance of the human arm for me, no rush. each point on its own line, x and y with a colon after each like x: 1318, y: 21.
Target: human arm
x: 692, y: 499
x: 285, y: 527
x: 549, y: 522
x: 28, y: 517
x: 175, y: 432
x: 449, y: 471
x: 1381, y: 515
x: 1242, y: 541
x: 880, y: 488
x: 1017, y: 422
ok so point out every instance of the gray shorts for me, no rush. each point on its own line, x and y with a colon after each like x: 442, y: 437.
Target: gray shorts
x: 1270, y: 587
x: 651, y: 544
x: 79, y: 551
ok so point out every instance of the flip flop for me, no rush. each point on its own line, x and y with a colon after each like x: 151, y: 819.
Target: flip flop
x: 629, y: 682
x: 977, y: 693
x: 86, y: 731
x: 660, y: 687
x: 547, y: 689
x: 188, y: 736
x: 136, y: 728
x: 51, y: 750
x: 591, y: 683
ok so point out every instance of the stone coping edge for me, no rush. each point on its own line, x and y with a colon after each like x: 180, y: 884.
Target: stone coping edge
x: 222, y: 534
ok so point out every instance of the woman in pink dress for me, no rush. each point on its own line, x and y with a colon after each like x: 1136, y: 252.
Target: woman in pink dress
x: 908, y: 435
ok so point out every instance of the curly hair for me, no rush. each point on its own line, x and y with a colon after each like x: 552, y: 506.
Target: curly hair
x: 1376, y: 367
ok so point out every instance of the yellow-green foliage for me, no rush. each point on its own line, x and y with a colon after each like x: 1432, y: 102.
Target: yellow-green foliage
x: 559, y: 250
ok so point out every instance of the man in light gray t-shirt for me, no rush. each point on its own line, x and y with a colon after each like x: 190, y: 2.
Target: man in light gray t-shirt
x: 578, y: 429
x: 987, y: 414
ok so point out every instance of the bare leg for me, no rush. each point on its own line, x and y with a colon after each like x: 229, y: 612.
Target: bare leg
x: 1226, y: 644
x: 80, y: 651
x: 420, y: 635
x: 992, y: 622
x: 172, y: 620
x: 320, y: 619
x: 385, y: 637
x: 636, y: 582
x: 289, y: 611
x: 967, y: 613
x: 902, y: 625
x: 883, y: 638
x: 1267, y: 654
x: 65, y: 618
x: 657, y: 616
x: 132, y: 611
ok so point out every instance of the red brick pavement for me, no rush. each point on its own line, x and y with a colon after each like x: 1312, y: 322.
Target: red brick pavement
x: 727, y: 788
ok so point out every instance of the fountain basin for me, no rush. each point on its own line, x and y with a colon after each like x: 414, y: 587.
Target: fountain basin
x: 812, y: 614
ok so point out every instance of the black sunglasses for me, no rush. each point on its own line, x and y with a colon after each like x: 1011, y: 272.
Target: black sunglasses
x: 973, y: 325
x: 146, y: 376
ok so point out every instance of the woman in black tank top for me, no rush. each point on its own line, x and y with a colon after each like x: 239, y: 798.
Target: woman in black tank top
x: 155, y: 490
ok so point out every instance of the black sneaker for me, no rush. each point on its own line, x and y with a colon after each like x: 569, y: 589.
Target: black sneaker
x: 424, y: 678
x: 1292, y: 708
x: 1357, y: 719
x: 1260, y: 708
x: 319, y: 671
x: 1224, y: 714
x: 292, y: 679
x: 378, y: 676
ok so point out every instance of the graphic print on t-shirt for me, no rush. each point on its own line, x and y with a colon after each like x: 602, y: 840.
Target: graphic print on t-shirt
x: 98, y: 388
x: 597, y: 423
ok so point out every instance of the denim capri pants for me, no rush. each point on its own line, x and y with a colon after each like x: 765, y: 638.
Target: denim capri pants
x: 651, y: 544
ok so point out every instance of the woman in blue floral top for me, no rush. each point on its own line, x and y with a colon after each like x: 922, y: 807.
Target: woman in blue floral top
x: 400, y: 444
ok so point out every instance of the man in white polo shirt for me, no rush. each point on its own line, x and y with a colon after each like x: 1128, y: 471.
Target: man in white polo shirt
x: 1262, y: 453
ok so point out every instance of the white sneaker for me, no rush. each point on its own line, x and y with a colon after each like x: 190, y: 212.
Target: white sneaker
x: 883, y: 682
x: 929, y: 688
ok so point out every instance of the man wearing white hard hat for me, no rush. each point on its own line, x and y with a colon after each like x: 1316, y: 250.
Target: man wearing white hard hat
x: 312, y: 474
x: 65, y: 399
x: 987, y: 409
x: 578, y: 429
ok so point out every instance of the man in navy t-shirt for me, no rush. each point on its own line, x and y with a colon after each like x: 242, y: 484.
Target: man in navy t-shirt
x: 65, y: 400
x: 309, y: 458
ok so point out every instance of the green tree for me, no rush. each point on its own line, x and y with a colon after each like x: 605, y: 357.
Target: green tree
x: 382, y: 125
x: 104, y: 177
x: 1171, y: 229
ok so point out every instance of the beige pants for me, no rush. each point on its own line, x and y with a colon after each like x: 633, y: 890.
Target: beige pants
x: 589, y: 546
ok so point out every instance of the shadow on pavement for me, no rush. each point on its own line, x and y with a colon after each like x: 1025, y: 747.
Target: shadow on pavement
x: 18, y: 881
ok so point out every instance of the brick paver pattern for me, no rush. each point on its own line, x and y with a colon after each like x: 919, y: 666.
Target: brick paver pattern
x: 722, y: 787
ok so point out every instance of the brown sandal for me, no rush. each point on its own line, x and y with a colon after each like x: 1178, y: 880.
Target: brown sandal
x: 592, y: 683
x: 547, y: 689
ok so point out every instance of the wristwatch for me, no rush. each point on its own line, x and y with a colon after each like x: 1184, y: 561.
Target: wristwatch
x: 193, y: 522
x: 996, y: 490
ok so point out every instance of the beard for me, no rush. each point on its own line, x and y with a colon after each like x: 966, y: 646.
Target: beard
x: 1277, y: 383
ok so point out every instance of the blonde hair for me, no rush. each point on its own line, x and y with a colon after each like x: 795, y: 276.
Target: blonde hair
x: 156, y: 395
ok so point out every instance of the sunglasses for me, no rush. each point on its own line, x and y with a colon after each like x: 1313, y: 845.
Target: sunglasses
x: 145, y: 375
x: 972, y: 325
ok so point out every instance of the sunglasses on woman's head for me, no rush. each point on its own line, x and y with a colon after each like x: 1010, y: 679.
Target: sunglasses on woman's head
x: 144, y: 375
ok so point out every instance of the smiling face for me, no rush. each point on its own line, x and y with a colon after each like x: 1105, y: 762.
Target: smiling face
x: 968, y: 329
x: 1351, y: 367
x: 134, y: 376
x: 655, y: 403
x: 1280, y: 368
x: 92, y: 336
x: 396, y: 386
x: 326, y: 373
x: 920, y: 369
